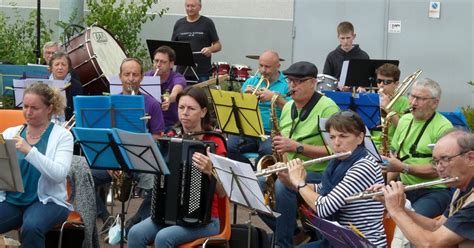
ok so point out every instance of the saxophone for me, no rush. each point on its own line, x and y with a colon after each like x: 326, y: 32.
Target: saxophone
x: 270, y: 160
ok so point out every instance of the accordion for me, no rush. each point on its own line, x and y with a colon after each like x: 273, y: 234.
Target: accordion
x: 185, y: 196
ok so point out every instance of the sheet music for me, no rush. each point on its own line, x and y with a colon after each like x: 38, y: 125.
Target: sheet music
x: 19, y: 86
x: 225, y: 167
x: 10, y: 176
x: 368, y: 143
x: 149, y: 86
x: 343, y: 76
x: 141, y: 152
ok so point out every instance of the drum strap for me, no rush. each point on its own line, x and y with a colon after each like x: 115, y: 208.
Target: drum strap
x: 304, y: 113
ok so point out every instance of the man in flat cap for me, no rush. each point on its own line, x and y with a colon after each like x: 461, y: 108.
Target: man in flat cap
x: 299, y: 139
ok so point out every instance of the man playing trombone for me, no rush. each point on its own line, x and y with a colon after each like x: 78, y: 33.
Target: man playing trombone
x: 268, y: 83
x: 414, y: 133
x: 453, y: 157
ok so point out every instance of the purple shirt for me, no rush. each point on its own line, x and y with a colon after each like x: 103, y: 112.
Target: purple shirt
x: 153, y: 108
x: 171, y: 115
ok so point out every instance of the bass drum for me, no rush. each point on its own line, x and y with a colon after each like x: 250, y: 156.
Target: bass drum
x: 95, y: 56
x: 326, y: 82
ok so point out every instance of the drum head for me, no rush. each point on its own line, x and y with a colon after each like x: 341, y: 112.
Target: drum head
x: 326, y: 82
x: 109, y: 54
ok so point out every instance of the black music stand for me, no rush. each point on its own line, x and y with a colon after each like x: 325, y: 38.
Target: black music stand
x: 361, y: 72
x: 184, y: 54
x: 115, y: 149
x: 241, y: 185
x: 238, y: 113
x: 10, y: 178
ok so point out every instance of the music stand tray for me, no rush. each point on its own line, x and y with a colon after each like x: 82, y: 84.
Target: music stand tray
x: 10, y: 178
x: 148, y: 86
x: 237, y: 113
x: 184, y: 54
x: 361, y: 72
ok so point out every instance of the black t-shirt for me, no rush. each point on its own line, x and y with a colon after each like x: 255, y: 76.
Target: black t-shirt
x: 462, y: 222
x: 201, y: 33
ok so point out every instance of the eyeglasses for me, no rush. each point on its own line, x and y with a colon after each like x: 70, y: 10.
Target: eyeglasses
x: 384, y: 81
x: 298, y: 80
x: 445, y: 160
x: 419, y: 98
x: 156, y: 61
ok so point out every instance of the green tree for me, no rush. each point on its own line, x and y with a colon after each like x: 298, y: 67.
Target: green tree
x: 125, y: 20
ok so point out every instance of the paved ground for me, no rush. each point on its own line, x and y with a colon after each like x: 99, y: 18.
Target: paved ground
x: 242, y: 217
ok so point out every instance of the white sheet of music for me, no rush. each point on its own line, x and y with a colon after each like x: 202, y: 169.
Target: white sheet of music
x: 232, y: 173
x: 19, y: 86
x: 342, y: 78
x: 10, y: 178
x: 149, y: 85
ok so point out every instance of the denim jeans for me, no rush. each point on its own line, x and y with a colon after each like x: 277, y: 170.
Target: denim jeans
x: 147, y: 232
x: 286, y: 204
x: 322, y: 243
x: 429, y: 202
x: 237, y: 145
x: 35, y: 220
x: 101, y: 177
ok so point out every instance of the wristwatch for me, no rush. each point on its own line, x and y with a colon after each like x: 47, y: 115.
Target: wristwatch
x: 406, y: 169
x: 301, y: 184
x: 299, y: 148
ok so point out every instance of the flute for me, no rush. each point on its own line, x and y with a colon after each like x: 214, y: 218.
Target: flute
x: 283, y: 167
x: 156, y: 72
x: 369, y: 195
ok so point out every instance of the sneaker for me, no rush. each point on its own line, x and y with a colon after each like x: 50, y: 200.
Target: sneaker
x: 301, y: 238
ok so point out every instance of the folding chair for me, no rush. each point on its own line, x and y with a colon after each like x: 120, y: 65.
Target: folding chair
x: 11, y: 118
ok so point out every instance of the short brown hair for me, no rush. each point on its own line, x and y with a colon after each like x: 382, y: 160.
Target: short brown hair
x: 389, y: 70
x: 346, y: 121
x: 166, y: 50
x: 345, y: 27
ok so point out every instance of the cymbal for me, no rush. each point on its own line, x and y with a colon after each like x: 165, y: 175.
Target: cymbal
x: 257, y: 56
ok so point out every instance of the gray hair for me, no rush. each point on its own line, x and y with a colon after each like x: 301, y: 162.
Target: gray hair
x: 50, y: 44
x: 431, y: 85
x: 465, y: 139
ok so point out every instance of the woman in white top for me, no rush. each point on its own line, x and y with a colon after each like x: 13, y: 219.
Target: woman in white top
x: 44, y: 152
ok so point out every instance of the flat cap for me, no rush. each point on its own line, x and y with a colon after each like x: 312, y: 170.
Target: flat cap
x: 302, y: 69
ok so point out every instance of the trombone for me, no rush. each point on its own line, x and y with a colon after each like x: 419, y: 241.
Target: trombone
x: 369, y: 195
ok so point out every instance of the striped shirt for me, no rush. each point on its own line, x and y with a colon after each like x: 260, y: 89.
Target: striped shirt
x: 366, y: 215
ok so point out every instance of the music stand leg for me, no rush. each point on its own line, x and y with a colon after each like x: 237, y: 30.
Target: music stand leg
x: 249, y: 227
x: 122, y: 225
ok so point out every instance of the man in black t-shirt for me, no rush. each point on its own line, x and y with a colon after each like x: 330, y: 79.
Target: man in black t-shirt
x: 201, y: 33
x: 453, y: 157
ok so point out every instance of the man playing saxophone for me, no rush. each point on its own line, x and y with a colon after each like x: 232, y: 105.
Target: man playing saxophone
x: 269, y: 73
x: 453, y: 156
x: 300, y: 138
x: 414, y: 133
x: 388, y: 76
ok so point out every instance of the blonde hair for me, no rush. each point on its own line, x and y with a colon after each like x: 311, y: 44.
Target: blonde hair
x: 49, y: 96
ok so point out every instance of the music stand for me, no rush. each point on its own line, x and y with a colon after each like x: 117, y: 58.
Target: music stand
x: 118, y: 111
x: 238, y: 113
x: 19, y: 86
x: 241, y: 185
x: 148, y: 86
x: 368, y: 142
x: 337, y: 235
x: 367, y: 105
x: 115, y: 149
x: 10, y: 178
x: 457, y: 118
x: 184, y: 54
x: 361, y: 72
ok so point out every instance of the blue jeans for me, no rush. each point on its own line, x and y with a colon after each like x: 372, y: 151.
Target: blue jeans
x: 35, y: 220
x: 148, y: 231
x: 101, y: 177
x: 237, y: 145
x: 322, y: 243
x: 429, y: 202
x: 286, y: 204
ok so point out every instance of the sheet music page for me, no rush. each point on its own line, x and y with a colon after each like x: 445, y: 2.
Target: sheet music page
x: 248, y: 183
x: 10, y: 176
x: 149, y: 86
x: 342, y: 78
x: 19, y: 86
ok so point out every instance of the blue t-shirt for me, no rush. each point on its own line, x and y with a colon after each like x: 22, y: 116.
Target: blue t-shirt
x: 279, y: 86
x: 29, y: 174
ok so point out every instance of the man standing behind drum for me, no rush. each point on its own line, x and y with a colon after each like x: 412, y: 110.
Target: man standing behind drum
x: 345, y: 51
x: 269, y: 69
x: 171, y: 83
x: 201, y: 33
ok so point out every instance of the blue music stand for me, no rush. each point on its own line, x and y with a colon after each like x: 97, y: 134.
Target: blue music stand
x: 367, y: 105
x: 457, y: 118
x: 117, y: 111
